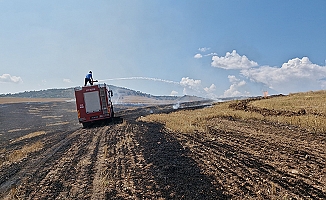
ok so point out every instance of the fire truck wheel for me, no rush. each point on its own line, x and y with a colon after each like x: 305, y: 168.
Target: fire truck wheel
x: 86, y: 125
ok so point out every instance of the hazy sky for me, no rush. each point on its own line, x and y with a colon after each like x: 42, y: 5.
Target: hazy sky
x: 210, y: 48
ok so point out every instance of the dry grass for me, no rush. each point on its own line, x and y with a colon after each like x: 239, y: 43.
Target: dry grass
x: 34, y: 110
x: 18, y: 129
x: 19, y: 154
x: 312, y: 123
x: 52, y: 116
x: 57, y: 124
x: 312, y: 102
x: 31, y: 135
x: 198, y: 120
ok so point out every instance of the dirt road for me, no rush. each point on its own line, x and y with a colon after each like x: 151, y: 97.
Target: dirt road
x: 138, y: 160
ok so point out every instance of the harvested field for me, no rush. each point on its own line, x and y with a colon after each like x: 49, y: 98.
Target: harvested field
x: 147, y: 157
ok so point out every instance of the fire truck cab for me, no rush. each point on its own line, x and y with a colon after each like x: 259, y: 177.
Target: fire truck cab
x: 94, y: 103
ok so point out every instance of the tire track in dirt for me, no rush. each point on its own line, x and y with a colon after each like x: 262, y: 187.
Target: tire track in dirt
x: 97, y: 163
x: 98, y: 182
x: 29, y: 167
x: 34, y: 183
x: 175, y: 172
x: 83, y: 186
x: 122, y: 172
x: 140, y: 161
x: 68, y: 173
x: 41, y: 174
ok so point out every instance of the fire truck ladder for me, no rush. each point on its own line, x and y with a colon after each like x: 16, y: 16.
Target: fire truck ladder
x: 103, y: 101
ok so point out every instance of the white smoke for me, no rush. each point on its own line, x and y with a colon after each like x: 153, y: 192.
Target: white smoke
x: 176, y: 106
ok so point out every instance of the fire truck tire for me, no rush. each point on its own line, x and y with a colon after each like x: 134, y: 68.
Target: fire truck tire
x: 86, y: 124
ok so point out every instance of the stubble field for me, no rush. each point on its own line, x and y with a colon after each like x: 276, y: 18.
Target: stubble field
x: 231, y: 150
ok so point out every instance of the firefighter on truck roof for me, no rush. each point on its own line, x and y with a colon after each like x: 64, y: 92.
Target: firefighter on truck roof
x: 89, y: 78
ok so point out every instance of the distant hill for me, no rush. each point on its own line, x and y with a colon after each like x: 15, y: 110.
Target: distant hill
x: 120, y: 95
x: 49, y: 93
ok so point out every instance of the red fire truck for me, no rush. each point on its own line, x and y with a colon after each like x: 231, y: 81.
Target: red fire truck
x: 93, y: 103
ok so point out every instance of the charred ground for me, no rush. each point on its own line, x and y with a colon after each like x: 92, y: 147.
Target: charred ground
x: 145, y: 160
